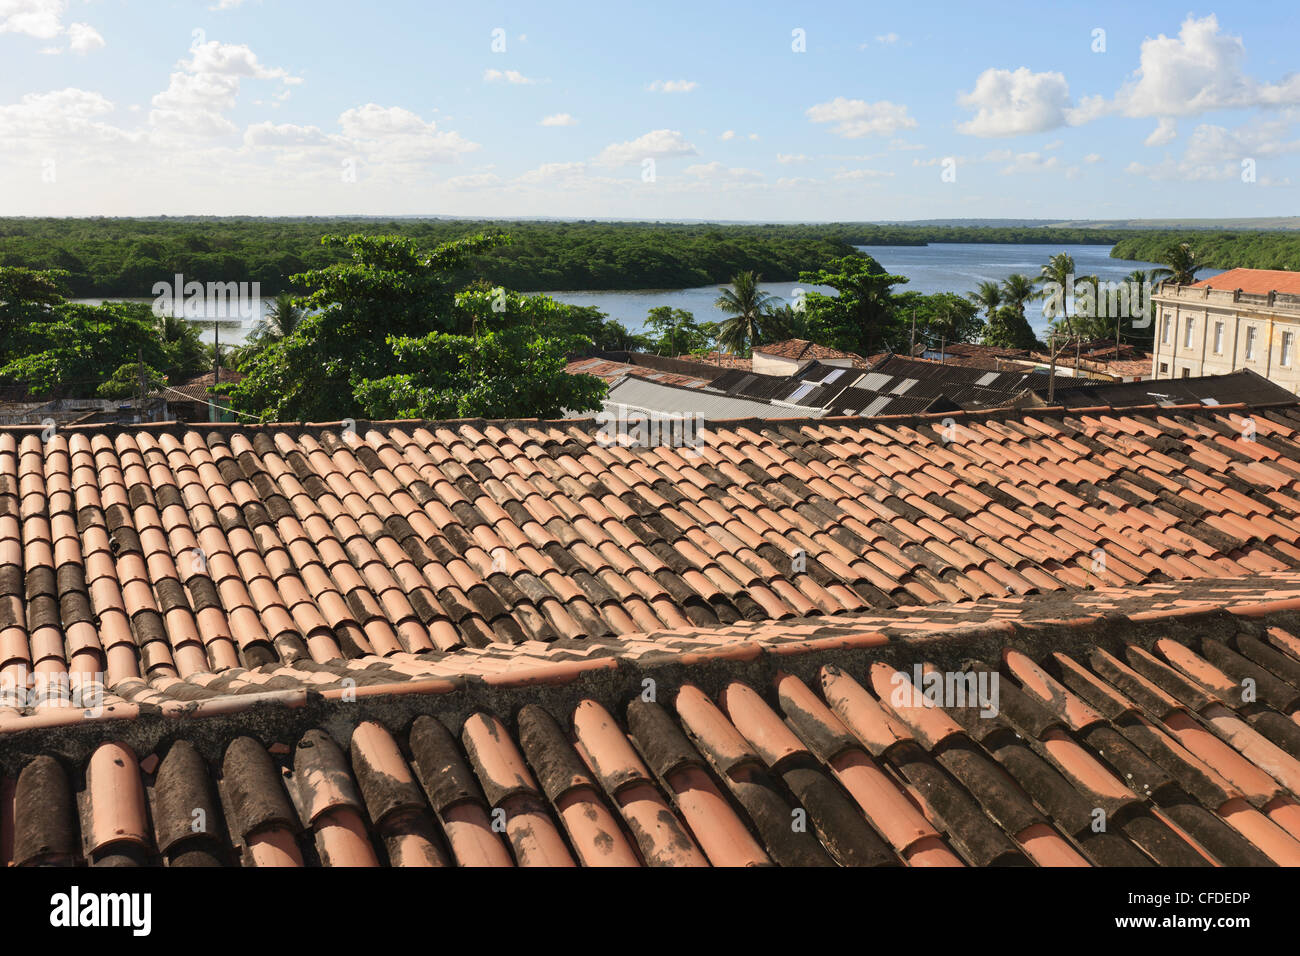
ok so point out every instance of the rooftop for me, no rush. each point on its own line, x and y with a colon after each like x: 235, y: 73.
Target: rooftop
x: 1253, y: 281
x: 1243, y: 386
x: 379, y: 638
x: 802, y: 350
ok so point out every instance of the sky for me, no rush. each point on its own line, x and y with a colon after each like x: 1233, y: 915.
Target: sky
x: 667, y: 110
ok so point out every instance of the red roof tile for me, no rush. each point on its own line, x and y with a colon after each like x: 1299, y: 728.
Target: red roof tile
x: 752, y: 596
x: 1254, y: 281
x: 802, y: 350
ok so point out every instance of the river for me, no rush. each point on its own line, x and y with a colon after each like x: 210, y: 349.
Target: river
x: 938, y: 267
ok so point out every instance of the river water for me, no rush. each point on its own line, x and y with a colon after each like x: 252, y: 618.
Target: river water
x: 938, y: 267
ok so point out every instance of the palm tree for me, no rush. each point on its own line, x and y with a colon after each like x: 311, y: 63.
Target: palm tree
x: 1179, y: 265
x: 1017, y: 289
x: 988, y: 297
x: 281, y: 318
x: 1057, y: 279
x: 748, y: 308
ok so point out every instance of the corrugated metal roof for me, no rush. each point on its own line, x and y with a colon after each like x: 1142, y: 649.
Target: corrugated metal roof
x: 643, y: 395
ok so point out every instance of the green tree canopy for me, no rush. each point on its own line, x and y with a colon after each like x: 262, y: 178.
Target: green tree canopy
x: 749, y: 311
x: 511, y: 366
x: 677, y: 332
x: 864, y: 317
x: 387, y: 290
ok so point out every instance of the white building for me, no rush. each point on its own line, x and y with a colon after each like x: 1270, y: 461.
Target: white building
x: 1242, y: 319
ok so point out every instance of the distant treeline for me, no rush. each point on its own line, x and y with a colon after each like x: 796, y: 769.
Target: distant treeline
x: 125, y: 257
x: 1219, y: 250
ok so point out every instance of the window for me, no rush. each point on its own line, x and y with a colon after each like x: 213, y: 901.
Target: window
x: 1286, y: 348
x: 1187, y: 373
x: 1164, y: 368
x: 1250, y: 343
x: 1164, y: 332
x: 1218, y: 338
x: 1188, y: 329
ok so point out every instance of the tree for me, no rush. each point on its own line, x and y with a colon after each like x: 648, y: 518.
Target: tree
x: 678, y: 332
x: 74, y: 348
x: 1009, y: 327
x: 186, y: 354
x: 125, y: 381
x: 1180, y: 264
x: 863, y: 317
x: 1060, y: 287
x: 26, y: 296
x: 281, y: 318
x: 511, y: 366
x: 387, y: 290
x: 988, y: 297
x: 941, y: 317
x: 748, y: 309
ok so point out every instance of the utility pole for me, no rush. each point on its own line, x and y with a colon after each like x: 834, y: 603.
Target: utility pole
x: 139, y: 361
x: 1051, y: 381
x: 216, y: 368
x: 911, y: 351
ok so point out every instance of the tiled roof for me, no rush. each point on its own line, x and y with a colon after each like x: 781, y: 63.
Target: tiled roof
x: 351, y: 622
x: 199, y: 388
x: 1254, y: 281
x: 611, y: 371
x: 175, y: 550
x: 1243, y: 386
x: 803, y: 350
x: 718, y: 360
x: 1120, y: 737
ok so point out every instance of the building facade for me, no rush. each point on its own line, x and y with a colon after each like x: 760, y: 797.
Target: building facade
x: 1242, y: 319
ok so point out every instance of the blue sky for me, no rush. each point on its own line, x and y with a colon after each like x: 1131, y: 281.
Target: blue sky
x: 760, y: 110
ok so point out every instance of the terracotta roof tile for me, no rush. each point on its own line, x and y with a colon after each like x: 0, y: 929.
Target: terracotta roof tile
x: 1124, y: 577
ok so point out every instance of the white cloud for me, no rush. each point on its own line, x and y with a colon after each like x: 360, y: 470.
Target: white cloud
x: 753, y: 136
x: 1092, y: 158
x: 204, y: 88
x: 226, y: 4
x: 231, y: 59
x: 558, y: 119
x: 672, y: 86
x: 473, y: 181
x: 888, y: 39
x: 658, y: 144
x: 396, y: 135
x: 1166, y: 132
x: 206, y: 91
x: 1216, y: 153
x: 716, y: 171
x: 509, y: 76
x: 61, y: 118
x: 1054, y: 144
x: 549, y: 172
x: 1030, y: 163
x: 42, y: 19
x: 729, y: 134
x: 284, y: 136
x: 1013, y: 103
x: 786, y: 159
x: 1197, y: 71
x: 858, y: 174
x: 82, y: 38
x: 857, y: 118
